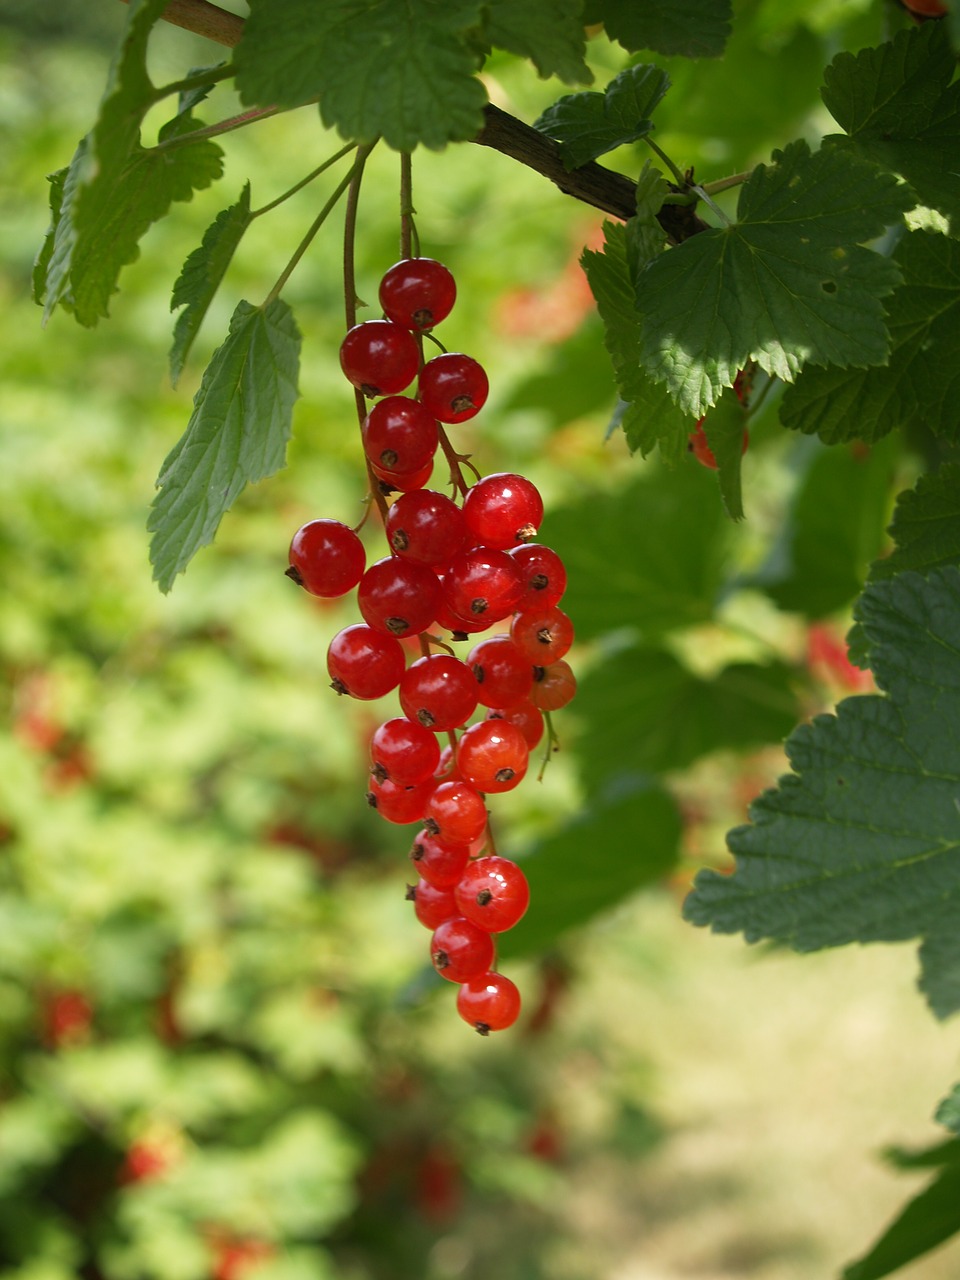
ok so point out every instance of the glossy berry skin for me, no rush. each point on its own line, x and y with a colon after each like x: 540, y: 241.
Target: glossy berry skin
x: 364, y: 663
x: 440, y: 864
x: 401, y: 482
x: 439, y: 692
x: 543, y: 573
x: 493, y: 893
x: 542, y: 635
x: 326, y: 558
x: 553, y: 686
x: 426, y: 526
x: 379, y: 357
x: 527, y: 718
x: 492, y: 756
x: 456, y: 813
x: 461, y: 950
x: 399, y: 435
x: 453, y: 387
x: 432, y: 905
x: 400, y: 804
x: 503, y: 672
x: 404, y: 751
x: 502, y: 510
x: 398, y: 597
x: 417, y: 293
x: 482, y: 583
x: 488, y: 1003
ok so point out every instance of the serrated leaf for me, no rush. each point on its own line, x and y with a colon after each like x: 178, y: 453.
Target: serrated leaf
x: 640, y: 711
x: 925, y: 525
x: 41, y: 264
x: 650, y: 555
x: 920, y: 385
x: 691, y: 28
x: 928, y: 1220
x: 786, y: 285
x: 587, y: 125
x: 860, y: 842
x: 201, y: 274
x: 550, y: 35
x: 650, y: 417
x: 724, y: 428
x: 237, y: 434
x: 901, y: 111
x: 403, y: 72
x: 632, y: 836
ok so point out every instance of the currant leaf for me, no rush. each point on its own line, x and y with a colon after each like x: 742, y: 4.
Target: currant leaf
x: 201, y: 275
x: 691, y: 28
x: 405, y: 73
x: 901, y: 111
x: 724, y: 428
x: 587, y: 125
x: 237, y: 434
x: 859, y: 843
x: 786, y: 285
x: 550, y: 35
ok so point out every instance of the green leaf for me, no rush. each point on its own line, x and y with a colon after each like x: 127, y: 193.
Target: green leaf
x: 929, y: 1219
x: 41, y: 265
x: 859, y: 843
x: 650, y: 555
x: 723, y: 427
x: 901, y: 111
x: 237, y: 434
x: 640, y: 710
x: 925, y: 525
x: 403, y: 72
x: 786, y: 285
x: 549, y: 34
x: 587, y: 125
x: 691, y: 28
x: 616, y: 846
x: 920, y: 386
x: 948, y: 1112
x: 201, y: 275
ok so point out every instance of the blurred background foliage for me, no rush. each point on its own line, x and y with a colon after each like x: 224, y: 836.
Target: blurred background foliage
x: 222, y: 1053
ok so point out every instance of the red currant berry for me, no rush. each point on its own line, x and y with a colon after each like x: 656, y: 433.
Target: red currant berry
x: 456, y: 813
x: 482, y: 583
x: 439, y: 692
x: 326, y: 558
x: 441, y: 864
x: 553, y: 686
x: 543, y: 635
x: 404, y: 751
x: 461, y: 950
x: 459, y: 628
x: 432, y: 905
x: 493, y: 893
x: 502, y: 510
x: 426, y: 526
x: 364, y: 663
x: 417, y: 293
x: 446, y: 770
x: 453, y: 387
x: 405, y: 482
x: 398, y: 597
x: 503, y: 673
x: 379, y: 357
x: 490, y: 1002
x: 399, y: 435
x: 527, y: 718
x: 400, y: 804
x: 698, y: 446
x: 543, y: 574
x: 492, y: 756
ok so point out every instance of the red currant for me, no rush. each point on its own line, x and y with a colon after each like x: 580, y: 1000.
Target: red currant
x: 404, y: 751
x: 326, y: 558
x: 379, y: 357
x: 482, y: 583
x: 492, y: 756
x: 489, y: 1002
x: 432, y: 905
x: 398, y: 597
x: 503, y: 673
x: 527, y: 718
x: 399, y: 435
x: 701, y: 450
x: 543, y: 574
x: 553, y: 686
x: 543, y: 635
x: 493, y: 893
x: 439, y: 692
x: 441, y: 864
x: 400, y: 804
x: 502, y: 510
x: 417, y: 293
x: 364, y: 663
x: 461, y: 950
x: 425, y: 526
x: 453, y: 387
x: 405, y: 482
x: 456, y: 813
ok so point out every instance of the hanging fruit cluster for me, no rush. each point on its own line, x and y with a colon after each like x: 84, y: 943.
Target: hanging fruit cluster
x: 463, y: 565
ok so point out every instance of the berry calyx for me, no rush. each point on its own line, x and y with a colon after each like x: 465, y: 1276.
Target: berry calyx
x: 543, y: 635
x: 417, y: 293
x: 502, y: 510
x: 453, y: 387
x: 461, y: 950
x: 543, y: 573
x: 379, y: 357
x: 493, y: 893
x: 488, y: 1003
x: 326, y: 558
x: 364, y: 663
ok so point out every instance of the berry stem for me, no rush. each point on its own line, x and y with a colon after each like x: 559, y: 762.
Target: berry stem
x: 455, y: 460
x: 724, y: 184
x: 215, y: 130
x: 409, y: 239
x: 298, y: 186
x: 211, y: 76
x: 552, y: 744
x: 678, y: 177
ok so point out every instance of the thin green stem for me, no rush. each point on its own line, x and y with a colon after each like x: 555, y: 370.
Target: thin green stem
x: 756, y: 404
x: 216, y: 130
x: 307, y: 240
x: 298, y: 186
x: 678, y: 177
x: 724, y: 184
x: 409, y: 240
x: 715, y: 208
x: 199, y: 80
x: 552, y: 745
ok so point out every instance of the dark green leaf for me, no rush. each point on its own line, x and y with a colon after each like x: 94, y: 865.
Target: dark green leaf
x: 948, y: 1112
x: 403, y: 72
x: 920, y: 386
x: 550, y: 35
x: 616, y: 846
x: 201, y: 274
x: 925, y: 525
x: 42, y: 264
x: 640, y: 711
x: 237, y: 434
x: 928, y: 1220
x: 587, y: 125
x: 723, y: 427
x: 692, y: 28
x: 901, y: 111
x: 786, y: 285
x: 860, y: 843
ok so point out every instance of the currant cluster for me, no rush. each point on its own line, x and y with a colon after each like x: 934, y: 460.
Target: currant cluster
x: 464, y: 565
